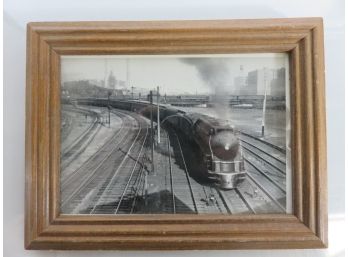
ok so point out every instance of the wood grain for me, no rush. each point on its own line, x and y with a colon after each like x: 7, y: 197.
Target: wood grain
x: 46, y: 228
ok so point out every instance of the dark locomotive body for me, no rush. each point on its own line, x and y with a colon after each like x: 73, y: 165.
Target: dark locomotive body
x: 219, y: 145
x: 218, y: 142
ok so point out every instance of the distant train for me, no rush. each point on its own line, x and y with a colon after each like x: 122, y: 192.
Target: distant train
x: 218, y: 142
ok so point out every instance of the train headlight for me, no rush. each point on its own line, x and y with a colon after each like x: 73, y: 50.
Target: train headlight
x: 227, y: 147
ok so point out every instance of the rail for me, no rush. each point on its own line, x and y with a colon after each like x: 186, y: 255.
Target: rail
x: 171, y: 175
x: 187, y: 175
x: 264, y: 160
x: 280, y: 149
x: 131, y: 174
x: 88, y: 171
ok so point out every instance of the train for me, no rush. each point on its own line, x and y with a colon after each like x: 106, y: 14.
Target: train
x: 217, y: 141
x: 219, y: 147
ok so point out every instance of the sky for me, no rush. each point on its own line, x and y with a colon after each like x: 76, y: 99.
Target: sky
x: 172, y: 73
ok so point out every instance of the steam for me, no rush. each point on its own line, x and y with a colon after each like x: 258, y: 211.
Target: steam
x: 215, y: 74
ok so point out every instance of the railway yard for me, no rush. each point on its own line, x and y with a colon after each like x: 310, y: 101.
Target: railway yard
x: 107, y: 168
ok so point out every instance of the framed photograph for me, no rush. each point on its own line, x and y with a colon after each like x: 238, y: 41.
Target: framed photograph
x: 176, y: 135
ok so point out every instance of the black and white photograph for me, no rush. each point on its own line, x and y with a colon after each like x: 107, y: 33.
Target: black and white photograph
x: 175, y: 134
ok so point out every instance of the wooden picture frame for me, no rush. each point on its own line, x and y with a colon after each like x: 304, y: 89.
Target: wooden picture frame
x: 302, y: 38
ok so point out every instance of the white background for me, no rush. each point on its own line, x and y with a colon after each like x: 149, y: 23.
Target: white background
x: 18, y: 12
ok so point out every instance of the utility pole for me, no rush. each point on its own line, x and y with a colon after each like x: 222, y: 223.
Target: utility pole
x: 105, y: 72
x: 127, y: 73
x: 132, y: 92
x: 151, y: 134
x: 109, y: 93
x: 264, y: 103
x: 158, y: 119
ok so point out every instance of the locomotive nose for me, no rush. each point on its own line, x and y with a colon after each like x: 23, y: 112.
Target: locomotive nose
x: 225, y: 145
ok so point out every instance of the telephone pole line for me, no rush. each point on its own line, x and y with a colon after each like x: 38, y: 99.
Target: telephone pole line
x: 158, y: 119
x: 264, y: 102
x: 151, y: 134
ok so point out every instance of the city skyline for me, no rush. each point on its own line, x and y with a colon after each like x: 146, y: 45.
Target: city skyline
x: 174, y: 75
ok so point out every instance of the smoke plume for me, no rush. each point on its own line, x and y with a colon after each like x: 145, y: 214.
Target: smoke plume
x: 215, y: 74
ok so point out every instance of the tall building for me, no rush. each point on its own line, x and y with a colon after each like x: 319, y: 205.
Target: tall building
x: 239, y: 81
x: 251, y: 83
x: 258, y: 81
x: 239, y: 84
x: 111, y: 81
x: 278, y: 83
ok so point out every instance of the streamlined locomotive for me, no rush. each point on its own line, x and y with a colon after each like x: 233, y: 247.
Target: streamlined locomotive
x: 219, y: 145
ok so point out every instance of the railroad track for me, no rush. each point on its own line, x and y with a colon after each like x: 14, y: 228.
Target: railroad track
x: 113, y: 180
x: 263, y: 142
x: 184, y: 200
x: 82, y: 190
x: 251, y: 197
x: 68, y: 123
x: 116, y: 194
x: 66, y: 126
x: 78, y: 145
x: 170, y: 207
x: 95, y: 161
x: 140, y: 189
x: 188, y: 195
x: 266, y: 166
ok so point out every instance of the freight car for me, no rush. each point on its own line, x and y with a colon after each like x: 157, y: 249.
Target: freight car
x: 218, y: 142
